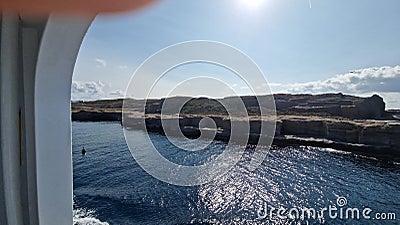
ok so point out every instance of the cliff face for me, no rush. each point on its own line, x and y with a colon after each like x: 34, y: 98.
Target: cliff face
x: 331, y: 120
x: 382, y: 134
x: 337, y: 105
x: 376, y: 138
x: 94, y: 116
x: 332, y: 105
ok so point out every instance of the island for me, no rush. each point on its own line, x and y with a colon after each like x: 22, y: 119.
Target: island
x: 360, y: 125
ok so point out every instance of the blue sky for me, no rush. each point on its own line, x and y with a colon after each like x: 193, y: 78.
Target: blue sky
x: 334, y: 46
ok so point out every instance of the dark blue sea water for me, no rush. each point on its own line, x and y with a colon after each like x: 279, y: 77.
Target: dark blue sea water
x: 110, y: 187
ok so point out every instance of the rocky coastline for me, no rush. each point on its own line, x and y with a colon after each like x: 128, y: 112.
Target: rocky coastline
x: 348, y: 123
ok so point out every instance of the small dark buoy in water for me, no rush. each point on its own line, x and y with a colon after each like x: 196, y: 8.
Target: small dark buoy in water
x: 83, y: 151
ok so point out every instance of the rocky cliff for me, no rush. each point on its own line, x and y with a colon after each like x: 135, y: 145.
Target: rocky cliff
x: 349, y: 123
x: 333, y: 105
x: 378, y: 138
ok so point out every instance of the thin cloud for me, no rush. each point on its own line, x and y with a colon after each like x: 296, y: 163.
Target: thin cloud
x: 123, y: 67
x: 100, y: 62
x: 374, y: 79
x: 93, y: 90
x: 117, y: 94
x: 87, y: 90
x: 384, y: 81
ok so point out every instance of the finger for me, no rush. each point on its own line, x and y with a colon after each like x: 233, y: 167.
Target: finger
x: 73, y: 6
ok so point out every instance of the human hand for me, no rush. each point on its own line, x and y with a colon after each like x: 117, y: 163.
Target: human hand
x: 72, y: 6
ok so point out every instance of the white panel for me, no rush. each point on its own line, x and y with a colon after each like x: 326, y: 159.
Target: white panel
x: 57, y: 54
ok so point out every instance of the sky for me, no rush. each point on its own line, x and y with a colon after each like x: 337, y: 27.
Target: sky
x: 301, y: 46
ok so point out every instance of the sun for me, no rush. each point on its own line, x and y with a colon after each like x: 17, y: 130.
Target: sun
x: 252, y: 4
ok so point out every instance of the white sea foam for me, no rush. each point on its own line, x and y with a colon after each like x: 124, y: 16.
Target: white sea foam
x: 86, y: 217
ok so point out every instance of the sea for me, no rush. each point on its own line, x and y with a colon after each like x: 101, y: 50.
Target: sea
x: 111, y: 188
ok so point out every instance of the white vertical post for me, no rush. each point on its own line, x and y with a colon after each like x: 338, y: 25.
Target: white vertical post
x: 59, y: 47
